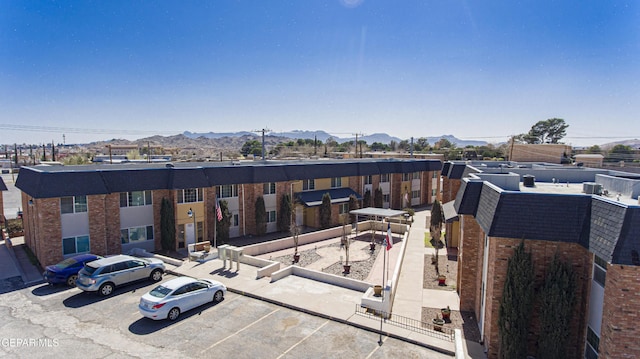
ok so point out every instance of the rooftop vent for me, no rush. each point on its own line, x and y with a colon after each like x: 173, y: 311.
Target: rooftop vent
x: 592, y: 188
x: 529, y: 180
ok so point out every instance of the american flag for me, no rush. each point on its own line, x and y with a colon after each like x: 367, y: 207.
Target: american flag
x: 218, y: 212
x: 389, y: 239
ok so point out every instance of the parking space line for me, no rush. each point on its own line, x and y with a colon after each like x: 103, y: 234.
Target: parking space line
x: 377, y: 347
x: 176, y: 325
x: 240, y: 330
x: 303, y: 339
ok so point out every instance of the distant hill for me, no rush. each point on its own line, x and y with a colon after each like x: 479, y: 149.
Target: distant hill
x: 323, y: 136
x: 635, y: 144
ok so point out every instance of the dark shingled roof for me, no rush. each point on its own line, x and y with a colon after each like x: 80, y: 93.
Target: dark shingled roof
x: 446, y: 167
x: 3, y: 187
x: 627, y: 250
x: 457, y: 170
x: 61, y: 181
x: 468, y: 196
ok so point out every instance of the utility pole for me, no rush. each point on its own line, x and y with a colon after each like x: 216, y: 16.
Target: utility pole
x: 356, y: 145
x: 264, y: 130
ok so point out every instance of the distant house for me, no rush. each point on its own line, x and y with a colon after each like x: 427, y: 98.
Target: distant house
x: 589, y: 160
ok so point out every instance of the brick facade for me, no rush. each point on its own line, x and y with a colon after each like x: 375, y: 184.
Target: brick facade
x: 620, y: 332
x: 500, y: 251
x: 104, y: 224
x: 470, y: 254
x: 450, y: 189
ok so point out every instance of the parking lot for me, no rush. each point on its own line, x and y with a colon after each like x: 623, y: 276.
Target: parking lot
x: 52, y: 321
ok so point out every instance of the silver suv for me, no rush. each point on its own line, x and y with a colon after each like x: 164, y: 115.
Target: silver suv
x: 105, y: 274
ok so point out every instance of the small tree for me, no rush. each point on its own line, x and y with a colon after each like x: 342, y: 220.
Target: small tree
x: 366, y: 200
x: 167, y: 225
x: 222, y: 226
x: 556, y: 310
x: 295, y: 232
x: 284, y: 215
x: 514, y: 316
x: 377, y: 198
x: 345, y: 239
x: 261, y: 216
x: 435, y: 227
x: 325, y: 211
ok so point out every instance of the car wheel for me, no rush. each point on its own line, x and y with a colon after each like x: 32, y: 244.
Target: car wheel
x: 106, y: 289
x: 218, y: 297
x: 174, y: 313
x: 156, y: 275
x: 71, y: 281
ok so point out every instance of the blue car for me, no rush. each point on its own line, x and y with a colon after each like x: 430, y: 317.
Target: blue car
x: 67, y: 270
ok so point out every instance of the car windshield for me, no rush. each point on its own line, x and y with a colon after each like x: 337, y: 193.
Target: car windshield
x: 160, y: 291
x: 66, y: 263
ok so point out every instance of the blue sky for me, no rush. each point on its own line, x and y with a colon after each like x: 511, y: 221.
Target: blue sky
x: 95, y: 70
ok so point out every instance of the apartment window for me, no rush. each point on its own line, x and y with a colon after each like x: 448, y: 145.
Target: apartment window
x: 236, y: 220
x: 269, y: 188
x: 75, y: 245
x: 343, y: 208
x: 415, y: 194
x: 386, y: 198
x: 336, y: 182
x: 433, y: 192
x: 406, y: 176
x: 190, y: 195
x: 136, y: 234
x: 230, y: 190
x: 435, y: 174
x: 74, y: 204
x: 135, y: 198
x: 384, y: 177
x: 416, y: 175
x: 593, y: 344
x: 308, y: 185
x: 271, y: 217
x: 599, y: 270
x: 368, y: 179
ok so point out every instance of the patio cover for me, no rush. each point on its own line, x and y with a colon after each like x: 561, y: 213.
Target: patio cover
x: 377, y: 212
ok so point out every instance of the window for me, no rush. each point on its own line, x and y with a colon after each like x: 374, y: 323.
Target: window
x: 308, y: 185
x: 433, y: 192
x: 406, y: 176
x: 74, y: 204
x: 236, y: 220
x: 271, y: 217
x: 190, y: 195
x: 384, y: 177
x: 269, y: 188
x: 135, y: 198
x: 415, y: 194
x: 435, y: 174
x: 74, y: 245
x: 593, y: 344
x: 599, y: 270
x: 416, y: 175
x: 225, y: 191
x: 386, y: 198
x: 136, y: 234
x: 368, y: 179
x: 343, y: 208
x: 336, y: 182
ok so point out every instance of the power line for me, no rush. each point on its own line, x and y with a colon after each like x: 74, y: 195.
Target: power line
x: 29, y: 128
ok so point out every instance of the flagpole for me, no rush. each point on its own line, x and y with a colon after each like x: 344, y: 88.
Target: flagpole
x: 384, y: 287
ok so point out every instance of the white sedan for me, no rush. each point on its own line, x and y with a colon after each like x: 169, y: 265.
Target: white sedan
x: 178, y: 295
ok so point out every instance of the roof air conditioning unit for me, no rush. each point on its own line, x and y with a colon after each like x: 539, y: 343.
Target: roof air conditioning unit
x: 592, y: 188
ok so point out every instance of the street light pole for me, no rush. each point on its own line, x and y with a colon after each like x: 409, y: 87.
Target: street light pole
x: 192, y: 214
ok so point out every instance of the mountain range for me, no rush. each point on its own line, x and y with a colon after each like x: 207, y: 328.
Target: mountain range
x: 323, y: 136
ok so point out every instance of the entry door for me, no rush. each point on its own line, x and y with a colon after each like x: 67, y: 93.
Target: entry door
x: 189, y: 234
x: 299, y: 216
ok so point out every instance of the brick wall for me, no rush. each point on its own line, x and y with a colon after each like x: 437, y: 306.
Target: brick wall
x: 450, y: 189
x: 47, y: 241
x: 621, y: 310
x: 396, y: 191
x: 104, y: 224
x: 500, y: 251
x: 470, y: 264
x: 251, y: 193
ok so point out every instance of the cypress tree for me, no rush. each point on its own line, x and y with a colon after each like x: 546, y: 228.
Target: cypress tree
x: 261, y: 216
x: 167, y: 225
x: 514, y: 315
x: 366, y: 201
x: 284, y: 216
x: 558, y: 296
x: 325, y: 211
x: 377, y: 198
x: 353, y: 205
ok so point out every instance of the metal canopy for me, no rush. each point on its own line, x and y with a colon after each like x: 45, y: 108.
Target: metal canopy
x: 377, y: 212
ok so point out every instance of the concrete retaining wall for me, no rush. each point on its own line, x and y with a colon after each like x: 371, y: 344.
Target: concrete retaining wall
x: 285, y: 243
x: 332, y: 279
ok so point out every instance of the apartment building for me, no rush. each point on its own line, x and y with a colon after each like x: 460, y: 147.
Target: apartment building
x: 109, y: 209
x: 589, y: 217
